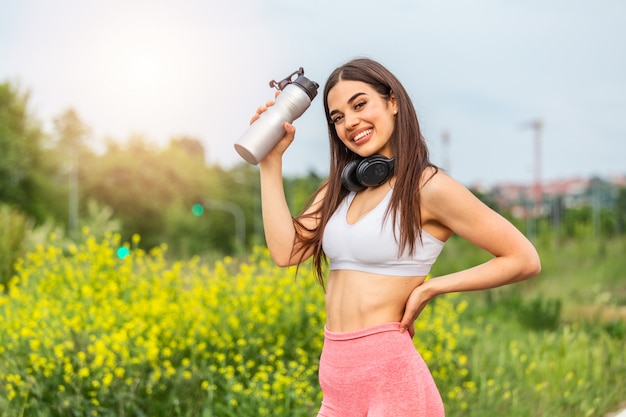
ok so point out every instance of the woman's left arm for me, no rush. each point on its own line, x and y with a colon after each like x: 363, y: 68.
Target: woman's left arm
x: 450, y: 205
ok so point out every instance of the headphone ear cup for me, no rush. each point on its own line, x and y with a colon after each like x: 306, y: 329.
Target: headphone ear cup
x: 349, y: 177
x: 375, y: 170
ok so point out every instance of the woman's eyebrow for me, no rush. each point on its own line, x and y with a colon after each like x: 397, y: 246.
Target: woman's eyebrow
x: 350, y: 100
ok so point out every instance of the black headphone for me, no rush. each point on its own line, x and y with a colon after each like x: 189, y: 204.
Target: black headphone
x: 367, y: 172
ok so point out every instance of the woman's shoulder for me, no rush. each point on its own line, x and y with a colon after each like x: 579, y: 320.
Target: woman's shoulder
x: 429, y: 172
x: 432, y: 177
x: 449, y: 202
x: 437, y: 187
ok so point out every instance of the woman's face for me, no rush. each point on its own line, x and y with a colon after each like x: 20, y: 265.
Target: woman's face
x: 363, y: 119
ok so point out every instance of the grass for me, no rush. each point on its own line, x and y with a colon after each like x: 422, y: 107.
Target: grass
x: 551, y: 346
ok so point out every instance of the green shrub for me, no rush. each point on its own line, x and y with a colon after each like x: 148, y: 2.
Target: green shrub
x: 13, y: 227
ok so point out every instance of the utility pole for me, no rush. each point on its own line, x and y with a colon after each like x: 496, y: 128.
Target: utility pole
x: 537, y: 126
x: 445, y: 142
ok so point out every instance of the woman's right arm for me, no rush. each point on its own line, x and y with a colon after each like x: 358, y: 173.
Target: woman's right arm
x: 280, y: 232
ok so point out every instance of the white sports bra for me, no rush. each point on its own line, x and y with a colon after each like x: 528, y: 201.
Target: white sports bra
x: 369, y: 245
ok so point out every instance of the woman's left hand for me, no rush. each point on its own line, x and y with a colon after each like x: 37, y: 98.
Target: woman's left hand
x: 414, y: 306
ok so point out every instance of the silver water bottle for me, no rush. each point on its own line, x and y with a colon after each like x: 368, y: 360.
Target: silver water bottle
x: 262, y: 135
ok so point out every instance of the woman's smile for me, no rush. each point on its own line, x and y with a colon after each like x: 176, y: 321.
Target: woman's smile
x: 362, y: 134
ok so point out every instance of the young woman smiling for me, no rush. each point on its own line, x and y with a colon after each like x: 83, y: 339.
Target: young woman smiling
x: 382, y: 218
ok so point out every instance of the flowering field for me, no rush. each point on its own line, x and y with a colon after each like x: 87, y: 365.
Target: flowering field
x: 87, y: 332
x: 84, y: 332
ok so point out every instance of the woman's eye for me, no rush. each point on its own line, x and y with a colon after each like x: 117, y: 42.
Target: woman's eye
x: 359, y: 105
x: 337, y: 119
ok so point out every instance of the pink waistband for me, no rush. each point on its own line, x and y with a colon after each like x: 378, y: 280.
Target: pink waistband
x: 368, y: 331
x: 364, y: 347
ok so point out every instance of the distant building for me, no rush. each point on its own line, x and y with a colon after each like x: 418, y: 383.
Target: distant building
x: 520, y: 200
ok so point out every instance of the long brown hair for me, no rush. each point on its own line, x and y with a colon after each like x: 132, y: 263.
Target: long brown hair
x: 409, y: 150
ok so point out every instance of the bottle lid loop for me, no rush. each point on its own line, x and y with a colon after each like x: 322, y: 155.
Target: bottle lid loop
x: 280, y: 85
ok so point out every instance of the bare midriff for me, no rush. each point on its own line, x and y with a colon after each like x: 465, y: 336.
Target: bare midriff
x: 357, y: 300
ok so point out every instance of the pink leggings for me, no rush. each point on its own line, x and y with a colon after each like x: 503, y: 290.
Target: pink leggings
x: 375, y: 372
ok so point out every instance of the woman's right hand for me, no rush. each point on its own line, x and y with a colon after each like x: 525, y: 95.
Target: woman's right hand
x: 282, y: 145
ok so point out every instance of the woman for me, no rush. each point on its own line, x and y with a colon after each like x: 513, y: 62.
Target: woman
x: 381, y: 239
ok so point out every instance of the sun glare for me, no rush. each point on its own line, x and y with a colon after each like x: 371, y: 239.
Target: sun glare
x: 155, y: 71
x: 142, y: 66
x: 143, y: 71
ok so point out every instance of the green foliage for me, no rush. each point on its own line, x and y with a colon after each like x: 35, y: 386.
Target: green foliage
x: 299, y: 190
x: 620, y: 210
x: 23, y: 182
x: 16, y: 149
x: 532, y: 312
x: 616, y: 328
x: 13, y: 228
x: 141, y: 183
x: 541, y: 314
x: 585, y: 222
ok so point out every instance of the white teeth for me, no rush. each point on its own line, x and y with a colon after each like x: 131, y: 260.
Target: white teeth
x: 362, y: 135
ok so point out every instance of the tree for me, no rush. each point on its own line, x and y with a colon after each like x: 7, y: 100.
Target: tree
x: 298, y: 190
x: 22, y: 182
x: 141, y: 183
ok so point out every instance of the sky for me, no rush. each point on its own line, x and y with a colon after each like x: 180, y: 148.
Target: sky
x: 478, y: 72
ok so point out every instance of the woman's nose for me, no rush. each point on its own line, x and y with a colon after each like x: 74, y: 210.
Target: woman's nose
x: 351, y: 120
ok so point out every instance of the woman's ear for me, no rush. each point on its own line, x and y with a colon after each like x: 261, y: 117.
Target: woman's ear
x: 393, y: 102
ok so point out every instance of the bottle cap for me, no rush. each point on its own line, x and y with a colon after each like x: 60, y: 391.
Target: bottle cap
x: 310, y: 87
